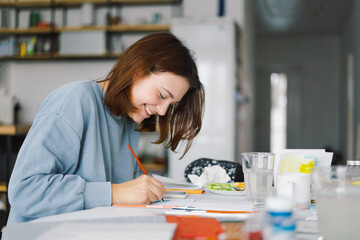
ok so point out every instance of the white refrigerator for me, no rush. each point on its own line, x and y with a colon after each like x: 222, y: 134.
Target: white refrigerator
x: 213, y: 43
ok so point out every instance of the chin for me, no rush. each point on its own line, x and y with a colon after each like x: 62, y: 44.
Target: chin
x: 137, y: 119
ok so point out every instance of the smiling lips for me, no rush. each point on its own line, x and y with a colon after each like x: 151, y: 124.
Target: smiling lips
x: 148, y: 110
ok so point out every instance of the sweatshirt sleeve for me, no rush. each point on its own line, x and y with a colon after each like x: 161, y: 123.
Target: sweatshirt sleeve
x: 44, y: 180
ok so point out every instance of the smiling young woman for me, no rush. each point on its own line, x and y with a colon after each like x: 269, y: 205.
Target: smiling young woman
x: 76, y: 154
x: 161, y: 56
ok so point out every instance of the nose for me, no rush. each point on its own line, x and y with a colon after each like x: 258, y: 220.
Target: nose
x: 162, y: 108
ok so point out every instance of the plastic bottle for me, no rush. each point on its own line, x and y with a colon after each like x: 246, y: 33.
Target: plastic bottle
x: 306, y: 167
x: 280, y: 221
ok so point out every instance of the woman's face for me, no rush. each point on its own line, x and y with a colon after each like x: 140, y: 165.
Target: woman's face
x: 154, y: 93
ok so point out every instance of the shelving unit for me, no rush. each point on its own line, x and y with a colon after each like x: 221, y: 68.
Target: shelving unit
x: 53, y: 31
x: 113, y: 28
x: 10, y: 133
x: 3, y: 187
x: 47, y: 3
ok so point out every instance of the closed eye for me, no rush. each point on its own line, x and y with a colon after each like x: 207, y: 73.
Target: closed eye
x: 161, y: 96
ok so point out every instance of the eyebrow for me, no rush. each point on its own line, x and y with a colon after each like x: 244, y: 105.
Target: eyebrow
x: 172, y: 96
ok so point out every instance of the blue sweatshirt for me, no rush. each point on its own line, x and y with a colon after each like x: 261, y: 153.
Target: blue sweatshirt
x: 73, y: 152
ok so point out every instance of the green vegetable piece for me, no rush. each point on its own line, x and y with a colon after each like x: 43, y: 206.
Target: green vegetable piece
x: 220, y: 186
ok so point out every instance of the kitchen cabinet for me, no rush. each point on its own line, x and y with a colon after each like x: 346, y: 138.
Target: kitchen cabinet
x: 16, y: 37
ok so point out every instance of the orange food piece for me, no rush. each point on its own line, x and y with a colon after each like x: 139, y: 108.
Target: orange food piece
x: 240, y: 185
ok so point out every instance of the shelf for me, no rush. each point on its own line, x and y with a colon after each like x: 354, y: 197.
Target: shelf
x: 127, y: 2
x: 26, y: 30
x: 85, y: 56
x: 14, y: 129
x: 139, y: 28
x: 31, y: 4
x: 118, y: 28
x: 57, y: 56
x: 78, y: 29
x: 56, y: 3
x: 114, y: 28
x: 3, y: 187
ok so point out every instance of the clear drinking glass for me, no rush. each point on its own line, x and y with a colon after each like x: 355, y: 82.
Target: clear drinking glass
x: 337, y: 195
x: 258, y: 168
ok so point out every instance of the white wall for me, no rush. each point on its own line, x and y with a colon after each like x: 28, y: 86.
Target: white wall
x: 319, y: 58
x: 31, y: 81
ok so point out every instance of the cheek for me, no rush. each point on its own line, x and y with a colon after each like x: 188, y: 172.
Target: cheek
x: 143, y: 95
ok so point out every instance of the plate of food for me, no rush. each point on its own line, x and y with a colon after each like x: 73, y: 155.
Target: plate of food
x: 226, y: 188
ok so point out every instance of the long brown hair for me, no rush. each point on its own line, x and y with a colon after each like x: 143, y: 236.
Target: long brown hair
x: 159, y: 52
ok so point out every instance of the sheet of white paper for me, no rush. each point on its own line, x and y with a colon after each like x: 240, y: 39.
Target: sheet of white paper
x: 171, y: 183
x: 110, y: 231
x: 218, y: 202
x: 175, y: 202
x: 98, y: 213
x: 210, y: 201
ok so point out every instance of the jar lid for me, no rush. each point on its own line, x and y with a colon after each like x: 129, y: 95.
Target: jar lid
x: 353, y: 162
x: 279, y: 204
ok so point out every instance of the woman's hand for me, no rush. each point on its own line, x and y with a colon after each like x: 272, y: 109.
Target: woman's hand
x: 142, y: 190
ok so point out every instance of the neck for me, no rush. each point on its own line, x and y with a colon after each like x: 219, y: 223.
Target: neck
x: 104, y: 84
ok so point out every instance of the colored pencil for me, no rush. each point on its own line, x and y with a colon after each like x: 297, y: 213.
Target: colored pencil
x: 141, y: 166
x: 189, y: 191
x: 147, y: 206
x: 138, y: 161
x: 225, y: 211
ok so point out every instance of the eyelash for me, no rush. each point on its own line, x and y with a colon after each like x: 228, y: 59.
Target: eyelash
x: 173, y: 104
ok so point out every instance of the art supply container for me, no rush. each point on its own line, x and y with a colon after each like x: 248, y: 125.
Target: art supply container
x: 258, y: 168
x: 280, y: 219
x: 337, y: 195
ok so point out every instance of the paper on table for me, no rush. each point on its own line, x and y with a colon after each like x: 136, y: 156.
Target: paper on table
x: 213, y: 202
x: 98, y: 213
x: 226, y: 204
x: 175, y: 202
x: 95, y: 231
x: 175, y: 183
x: 216, y: 202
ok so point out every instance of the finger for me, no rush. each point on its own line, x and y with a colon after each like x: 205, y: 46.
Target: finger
x: 154, y: 196
x: 157, y: 183
x: 158, y: 192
